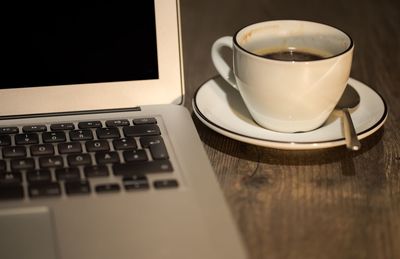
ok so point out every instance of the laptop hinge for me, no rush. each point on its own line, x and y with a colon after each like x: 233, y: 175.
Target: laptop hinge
x: 68, y: 113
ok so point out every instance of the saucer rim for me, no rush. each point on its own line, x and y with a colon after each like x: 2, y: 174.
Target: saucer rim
x: 289, y: 145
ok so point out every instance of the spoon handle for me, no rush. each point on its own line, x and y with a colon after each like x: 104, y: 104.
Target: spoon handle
x: 350, y: 135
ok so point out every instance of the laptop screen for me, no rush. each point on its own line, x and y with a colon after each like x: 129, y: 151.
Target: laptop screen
x: 45, y: 45
x: 63, y: 58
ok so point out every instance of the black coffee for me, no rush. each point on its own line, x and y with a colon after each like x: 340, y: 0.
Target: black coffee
x: 292, y: 55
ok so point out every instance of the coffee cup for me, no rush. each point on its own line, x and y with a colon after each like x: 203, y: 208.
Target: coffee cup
x: 290, y: 74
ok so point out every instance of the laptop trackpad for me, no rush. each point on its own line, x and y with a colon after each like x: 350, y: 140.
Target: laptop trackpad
x: 27, y: 233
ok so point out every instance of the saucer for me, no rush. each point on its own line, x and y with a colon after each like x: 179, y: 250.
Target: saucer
x: 220, y: 107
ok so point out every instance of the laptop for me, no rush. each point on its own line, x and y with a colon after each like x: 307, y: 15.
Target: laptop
x: 98, y: 157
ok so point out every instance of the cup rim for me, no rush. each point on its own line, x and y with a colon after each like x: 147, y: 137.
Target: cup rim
x: 236, y: 43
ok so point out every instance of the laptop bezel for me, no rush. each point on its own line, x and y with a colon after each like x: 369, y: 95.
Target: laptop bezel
x: 168, y: 88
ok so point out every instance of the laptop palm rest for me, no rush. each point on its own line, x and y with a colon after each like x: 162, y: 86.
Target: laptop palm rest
x: 27, y: 233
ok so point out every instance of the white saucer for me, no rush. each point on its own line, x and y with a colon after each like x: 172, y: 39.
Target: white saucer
x: 221, y: 108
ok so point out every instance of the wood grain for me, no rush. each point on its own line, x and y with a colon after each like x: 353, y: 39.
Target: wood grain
x: 329, y: 203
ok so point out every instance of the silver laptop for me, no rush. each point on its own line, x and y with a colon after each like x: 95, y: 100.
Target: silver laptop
x: 98, y: 158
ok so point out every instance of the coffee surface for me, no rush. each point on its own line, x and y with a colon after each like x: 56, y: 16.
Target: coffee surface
x: 292, y: 55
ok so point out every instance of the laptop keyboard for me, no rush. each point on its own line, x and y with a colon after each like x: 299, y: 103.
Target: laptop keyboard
x: 64, y: 158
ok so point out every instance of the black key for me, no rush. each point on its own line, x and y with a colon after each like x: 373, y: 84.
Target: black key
x: 53, y: 137
x: 22, y: 164
x: 107, y: 157
x: 5, y: 140
x: 42, y: 150
x: 111, y: 187
x: 62, y: 126
x: 130, y: 169
x: 107, y: 133
x: 96, y: 171
x: 44, y: 190
x: 14, y: 152
x: 26, y: 139
x: 3, y: 166
x: 151, y: 140
x: 10, y: 178
x: 34, y: 128
x: 77, y: 187
x: 137, y: 155
x: 51, y: 161
x: 9, y: 130
x: 76, y: 135
x: 69, y: 148
x: 163, y: 184
x: 142, y: 130
x: 136, y: 182
x: 68, y: 174
x: 79, y: 159
x: 156, y: 146
x: 124, y: 144
x: 97, y: 145
x: 89, y: 124
x: 141, y: 121
x: 117, y: 123
x: 11, y: 191
x: 38, y: 176
x: 158, y: 152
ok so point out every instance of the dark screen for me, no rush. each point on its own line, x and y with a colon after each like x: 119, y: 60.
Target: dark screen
x: 61, y: 44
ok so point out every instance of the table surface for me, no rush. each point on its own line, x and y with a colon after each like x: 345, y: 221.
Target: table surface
x: 330, y: 203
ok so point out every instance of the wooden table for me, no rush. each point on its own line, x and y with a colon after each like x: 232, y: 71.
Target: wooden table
x: 330, y: 203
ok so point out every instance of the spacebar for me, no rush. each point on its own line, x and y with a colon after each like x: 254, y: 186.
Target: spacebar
x: 129, y: 169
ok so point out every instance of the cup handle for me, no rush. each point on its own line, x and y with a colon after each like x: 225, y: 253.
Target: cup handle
x: 220, y: 64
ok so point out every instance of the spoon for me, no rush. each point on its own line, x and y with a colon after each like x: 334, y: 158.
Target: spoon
x: 349, y: 99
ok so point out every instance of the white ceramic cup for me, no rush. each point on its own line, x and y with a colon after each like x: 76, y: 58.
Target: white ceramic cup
x: 281, y: 95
